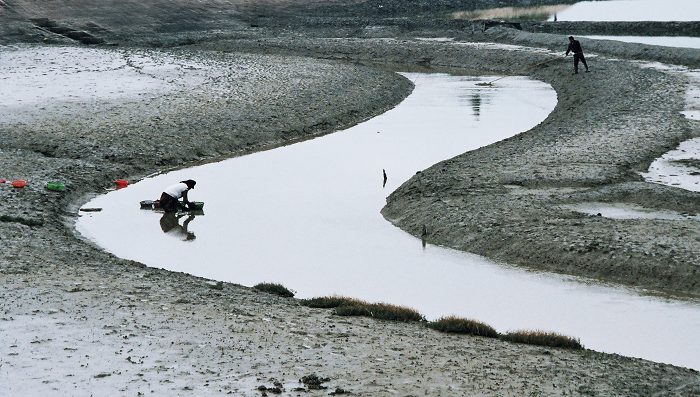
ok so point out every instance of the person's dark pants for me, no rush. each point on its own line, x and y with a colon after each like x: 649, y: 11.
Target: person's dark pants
x: 579, y: 57
x: 168, y: 203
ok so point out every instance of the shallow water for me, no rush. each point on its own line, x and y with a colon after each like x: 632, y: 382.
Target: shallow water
x: 631, y: 10
x: 681, y: 167
x: 628, y: 211
x: 307, y: 216
x: 664, y: 41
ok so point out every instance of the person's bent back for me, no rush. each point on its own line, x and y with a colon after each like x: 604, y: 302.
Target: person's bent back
x: 170, y: 196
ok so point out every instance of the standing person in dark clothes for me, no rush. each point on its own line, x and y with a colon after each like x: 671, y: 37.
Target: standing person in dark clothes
x: 169, y: 197
x: 575, y: 47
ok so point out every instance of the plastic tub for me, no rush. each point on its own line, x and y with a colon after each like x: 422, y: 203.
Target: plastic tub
x: 56, y: 186
x: 19, y: 183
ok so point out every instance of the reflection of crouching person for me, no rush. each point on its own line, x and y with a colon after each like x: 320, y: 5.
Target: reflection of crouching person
x: 169, y: 197
x: 170, y: 224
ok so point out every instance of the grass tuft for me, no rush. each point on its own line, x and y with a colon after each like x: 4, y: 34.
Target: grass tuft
x: 345, y: 306
x: 382, y: 311
x: 275, y: 289
x: 542, y: 338
x: 329, y: 302
x: 457, y: 325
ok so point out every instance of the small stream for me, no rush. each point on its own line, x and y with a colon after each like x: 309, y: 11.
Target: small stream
x: 307, y: 216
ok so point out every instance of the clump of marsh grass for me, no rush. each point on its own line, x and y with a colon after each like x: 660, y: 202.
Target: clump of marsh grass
x: 275, y: 289
x: 345, y: 306
x: 457, y: 325
x: 542, y: 338
x: 382, y: 311
x: 329, y: 302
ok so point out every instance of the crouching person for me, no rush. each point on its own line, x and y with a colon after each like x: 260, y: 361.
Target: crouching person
x: 169, y: 198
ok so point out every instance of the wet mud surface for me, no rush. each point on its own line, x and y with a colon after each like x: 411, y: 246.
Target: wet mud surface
x: 75, y: 320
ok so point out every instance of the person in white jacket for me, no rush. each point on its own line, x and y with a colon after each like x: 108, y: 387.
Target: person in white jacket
x: 170, y: 196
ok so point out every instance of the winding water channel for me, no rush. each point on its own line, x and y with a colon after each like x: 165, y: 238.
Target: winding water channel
x: 307, y: 216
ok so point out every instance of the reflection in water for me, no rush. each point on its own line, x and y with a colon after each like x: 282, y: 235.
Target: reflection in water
x: 477, y: 99
x: 170, y: 224
x: 476, y: 104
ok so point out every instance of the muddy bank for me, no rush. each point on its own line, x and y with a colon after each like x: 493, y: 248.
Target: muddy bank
x: 117, y: 327
x: 79, y: 321
x: 179, y: 22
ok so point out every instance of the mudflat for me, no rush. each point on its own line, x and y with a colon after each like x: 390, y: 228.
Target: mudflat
x: 78, y: 321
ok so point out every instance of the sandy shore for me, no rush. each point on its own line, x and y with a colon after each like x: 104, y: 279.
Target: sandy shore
x: 77, y: 321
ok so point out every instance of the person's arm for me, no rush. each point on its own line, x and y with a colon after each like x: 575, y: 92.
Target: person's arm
x: 184, y: 197
x: 568, y: 49
x: 187, y: 222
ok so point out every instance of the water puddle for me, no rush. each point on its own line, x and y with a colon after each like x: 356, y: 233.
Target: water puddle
x: 681, y: 167
x: 664, y: 41
x: 307, y: 216
x: 628, y: 211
